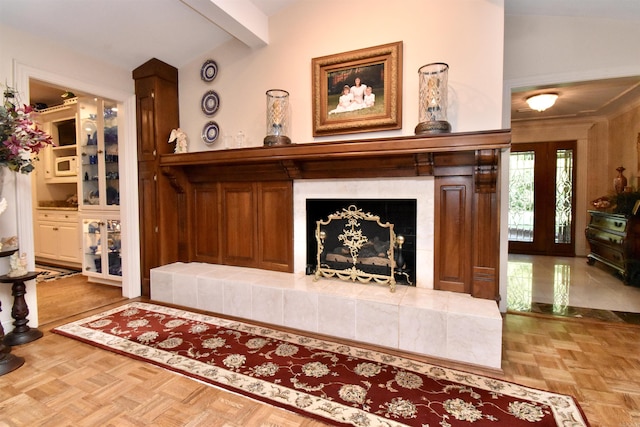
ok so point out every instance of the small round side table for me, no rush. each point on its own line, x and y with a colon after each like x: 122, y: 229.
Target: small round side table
x: 21, y: 333
x: 8, y: 362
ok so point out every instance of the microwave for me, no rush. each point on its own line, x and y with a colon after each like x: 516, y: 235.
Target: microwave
x: 66, y: 166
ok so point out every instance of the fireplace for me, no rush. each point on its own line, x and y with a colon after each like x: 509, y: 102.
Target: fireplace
x: 405, y: 202
x: 232, y: 207
x: 379, y: 243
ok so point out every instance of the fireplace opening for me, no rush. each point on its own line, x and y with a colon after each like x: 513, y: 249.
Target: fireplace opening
x: 399, y: 212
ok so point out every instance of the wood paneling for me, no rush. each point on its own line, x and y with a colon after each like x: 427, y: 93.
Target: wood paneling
x: 275, y: 242
x: 206, y: 212
x: 239, y: 224
x: 486, y: 247
x: 148, y: 211
x: 253, y: 223
x: 243, y: 223
x: 453, y: 234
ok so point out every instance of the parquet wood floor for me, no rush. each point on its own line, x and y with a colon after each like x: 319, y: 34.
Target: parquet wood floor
x: 68, y: 383
x: 59, y: 299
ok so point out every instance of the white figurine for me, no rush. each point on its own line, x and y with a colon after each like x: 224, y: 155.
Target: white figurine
x: 18, y: 265
x: 181, y: 140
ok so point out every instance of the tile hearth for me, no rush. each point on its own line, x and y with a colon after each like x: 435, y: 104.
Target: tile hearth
x: 440, y: 324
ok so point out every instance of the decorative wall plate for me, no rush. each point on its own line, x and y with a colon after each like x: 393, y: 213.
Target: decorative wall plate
x: 210, y: 132
x: 210, y: 103
x: 209, y: 70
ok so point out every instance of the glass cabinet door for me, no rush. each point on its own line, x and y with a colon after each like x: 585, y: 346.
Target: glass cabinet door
x: 111, y: 171
x: 114, y: 260
x: 92, y: 246
x: 90, y: 177
x: 101, y: 247
x: 100, y: 176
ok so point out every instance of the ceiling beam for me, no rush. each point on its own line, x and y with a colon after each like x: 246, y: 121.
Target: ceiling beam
x: 240, y: 18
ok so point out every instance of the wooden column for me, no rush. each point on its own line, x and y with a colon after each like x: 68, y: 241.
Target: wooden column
x: 156, y: 86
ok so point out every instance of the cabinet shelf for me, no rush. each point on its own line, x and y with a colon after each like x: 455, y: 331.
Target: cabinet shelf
x: 64, y: 148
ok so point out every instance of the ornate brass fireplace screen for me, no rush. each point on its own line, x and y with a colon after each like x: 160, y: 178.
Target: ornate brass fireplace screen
x: 361, y: 247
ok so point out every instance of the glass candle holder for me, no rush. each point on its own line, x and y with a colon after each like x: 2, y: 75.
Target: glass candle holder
x: 433, y: 99
x: 277, y: 117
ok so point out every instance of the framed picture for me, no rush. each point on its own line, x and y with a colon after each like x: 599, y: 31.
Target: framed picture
x: 358, y: 91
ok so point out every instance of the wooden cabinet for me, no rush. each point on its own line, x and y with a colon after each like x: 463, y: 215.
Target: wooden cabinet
x: 247, y: 224
x: 452, y: 261
x: 615, y: 241
x: 58, y: 237
x: 156, y: 87
x: 101, y: 247
x: 59, y: 160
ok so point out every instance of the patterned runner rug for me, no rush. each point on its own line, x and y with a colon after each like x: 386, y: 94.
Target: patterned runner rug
x: 336, y: 383
x: 48, y: 273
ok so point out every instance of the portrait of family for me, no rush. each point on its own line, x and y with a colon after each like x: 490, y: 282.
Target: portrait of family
x: 359, y: 89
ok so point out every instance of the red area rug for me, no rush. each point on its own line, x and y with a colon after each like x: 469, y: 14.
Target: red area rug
x: 336, y: 383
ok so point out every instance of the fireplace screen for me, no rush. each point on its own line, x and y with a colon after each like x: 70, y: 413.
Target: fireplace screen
x: 354, y: 245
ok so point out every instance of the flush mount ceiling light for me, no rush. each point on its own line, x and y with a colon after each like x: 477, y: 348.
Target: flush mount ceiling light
x: 542, y: 101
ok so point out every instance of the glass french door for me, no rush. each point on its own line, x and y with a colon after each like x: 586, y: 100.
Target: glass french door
x: 542, y: 198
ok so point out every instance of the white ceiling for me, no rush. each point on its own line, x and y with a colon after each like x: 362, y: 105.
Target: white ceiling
x: 126, y: 33
x: 615, y: 9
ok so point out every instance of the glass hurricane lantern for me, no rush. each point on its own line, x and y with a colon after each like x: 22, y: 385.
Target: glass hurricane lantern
x: 277, y: 117
x: 433, y: 99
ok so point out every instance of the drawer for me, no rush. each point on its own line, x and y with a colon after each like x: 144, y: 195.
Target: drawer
x: 604, y: 237
x: 57, y: 216
x: 609, y: 223
x: 613, y: 256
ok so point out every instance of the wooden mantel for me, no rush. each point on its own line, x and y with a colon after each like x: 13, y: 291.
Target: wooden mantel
x: 218, y: 206
x: 367, y: 158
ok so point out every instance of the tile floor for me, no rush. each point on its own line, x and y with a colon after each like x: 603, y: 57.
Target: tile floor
x: 568, y: 286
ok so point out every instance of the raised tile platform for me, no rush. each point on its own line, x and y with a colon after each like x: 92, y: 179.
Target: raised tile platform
x: 440, y: 324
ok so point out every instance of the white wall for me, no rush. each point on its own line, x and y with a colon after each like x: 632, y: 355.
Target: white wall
x: 27, y: 55
x: 466, y: 34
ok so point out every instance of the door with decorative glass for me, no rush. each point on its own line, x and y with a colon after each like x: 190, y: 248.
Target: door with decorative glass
x: 542, y: 198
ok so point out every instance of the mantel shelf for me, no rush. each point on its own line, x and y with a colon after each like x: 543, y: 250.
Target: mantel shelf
x: 368, y: 158
x: 365, y: 148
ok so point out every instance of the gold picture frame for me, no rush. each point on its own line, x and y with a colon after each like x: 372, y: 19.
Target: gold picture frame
x: 379, y: 69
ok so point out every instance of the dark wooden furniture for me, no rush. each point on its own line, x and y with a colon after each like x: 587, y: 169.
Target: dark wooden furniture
x: 615, y: 241
x: 21, y: 333
x: 220, y: 198
x: 156, y: 87
x: 8, y: 362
